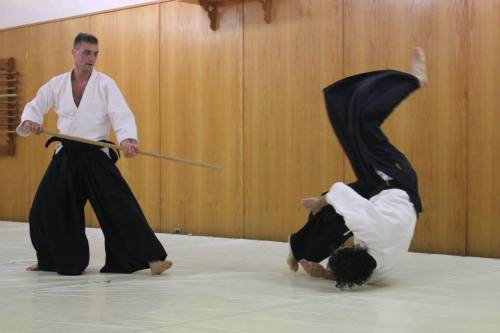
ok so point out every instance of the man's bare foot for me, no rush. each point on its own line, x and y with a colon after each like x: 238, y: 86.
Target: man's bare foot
x: 33, y: 268
x: 159, y: 266
x: 291, y: 261
x: 419, y: 65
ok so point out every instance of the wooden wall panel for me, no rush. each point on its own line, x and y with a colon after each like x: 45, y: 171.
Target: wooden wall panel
x: 248, y: 97
x: 128, y: 45
x: 429, y: 127
x: 290, y: 151
x: 483, y: 218
x: 201, y: 119
x: 14, y: 170
x: 49, y: 55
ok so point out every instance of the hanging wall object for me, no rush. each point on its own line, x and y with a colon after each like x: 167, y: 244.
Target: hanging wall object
x: 9, y: 113
x: 213, y: 9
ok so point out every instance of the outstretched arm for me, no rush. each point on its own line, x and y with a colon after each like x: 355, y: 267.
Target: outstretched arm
x: 314, y: 204
x: 316, y: 270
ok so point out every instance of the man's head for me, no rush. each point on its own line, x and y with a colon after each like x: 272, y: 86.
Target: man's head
x: 351, y: 265
x: 85, y: 51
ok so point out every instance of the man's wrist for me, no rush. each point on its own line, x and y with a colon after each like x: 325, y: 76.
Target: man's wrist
x: 323, y: 201
x: 131, y: 140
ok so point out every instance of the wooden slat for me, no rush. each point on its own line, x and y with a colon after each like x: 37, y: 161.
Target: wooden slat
x: 290, y: 149
x: 483, y: 223
x: 201, y: 119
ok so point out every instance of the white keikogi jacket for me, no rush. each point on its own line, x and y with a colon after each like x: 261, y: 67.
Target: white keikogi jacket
x: 102, y: 105
x: 384, y: 224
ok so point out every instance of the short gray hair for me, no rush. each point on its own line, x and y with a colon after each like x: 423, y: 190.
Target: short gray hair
x: 83, y: 37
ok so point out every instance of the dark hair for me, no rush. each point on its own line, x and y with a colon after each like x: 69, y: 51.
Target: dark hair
x: 351, y: 266
x: 83, y: 37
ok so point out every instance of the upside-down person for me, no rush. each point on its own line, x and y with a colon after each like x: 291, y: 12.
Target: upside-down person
x: 381, y: 207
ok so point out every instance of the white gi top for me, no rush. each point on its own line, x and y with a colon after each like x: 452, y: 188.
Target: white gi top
x: 384, y: 224
x: 102, y: 104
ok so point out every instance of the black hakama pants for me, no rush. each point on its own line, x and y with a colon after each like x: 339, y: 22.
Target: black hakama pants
x: 357, y: 106
x: 77, y: 173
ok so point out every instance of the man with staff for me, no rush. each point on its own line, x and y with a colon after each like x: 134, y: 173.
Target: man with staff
x: 87, y: 102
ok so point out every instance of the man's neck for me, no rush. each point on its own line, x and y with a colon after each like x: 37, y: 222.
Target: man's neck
x: 81, y: 76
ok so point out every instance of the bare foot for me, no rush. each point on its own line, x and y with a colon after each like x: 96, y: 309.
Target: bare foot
x: 158, y: 267
x: 32, y: 268
x: 419, y: 65
x: 292, y: 263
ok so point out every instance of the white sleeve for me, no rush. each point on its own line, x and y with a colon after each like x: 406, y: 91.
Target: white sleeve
x: 359, y: 213
x: 121, y: 117
x: 37, y: 108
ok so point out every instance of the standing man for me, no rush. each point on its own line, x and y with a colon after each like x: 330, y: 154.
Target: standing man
x: 87, y: 102
x: 380, y: 209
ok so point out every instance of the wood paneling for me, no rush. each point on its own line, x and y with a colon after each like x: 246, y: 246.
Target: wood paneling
x: 128, y: 45
x: 201, y: 119
x: 429, y: 127
x: 49, y: 55
x: 483, y: 227
x: 290, y: 151
x: 14, y: 170
x: 249, y: 97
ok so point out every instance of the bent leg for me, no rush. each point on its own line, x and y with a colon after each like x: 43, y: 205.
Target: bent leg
x: 357, y: 106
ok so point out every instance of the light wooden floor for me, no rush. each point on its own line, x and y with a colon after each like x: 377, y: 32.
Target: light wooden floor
x: 234, y: 285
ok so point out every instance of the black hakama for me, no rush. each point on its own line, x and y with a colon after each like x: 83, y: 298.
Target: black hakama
x: 77, y: 173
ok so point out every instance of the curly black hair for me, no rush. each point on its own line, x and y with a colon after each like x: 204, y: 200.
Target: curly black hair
x: 351, y: 266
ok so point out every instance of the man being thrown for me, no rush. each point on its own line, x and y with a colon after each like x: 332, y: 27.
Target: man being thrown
x: 380, y: 209
x: 87, y: 102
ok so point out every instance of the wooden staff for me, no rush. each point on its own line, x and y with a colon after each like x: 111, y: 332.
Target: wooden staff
x: 113, y: 146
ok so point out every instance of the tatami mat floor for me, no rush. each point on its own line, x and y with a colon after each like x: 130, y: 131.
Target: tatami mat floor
x: 235, y: 285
